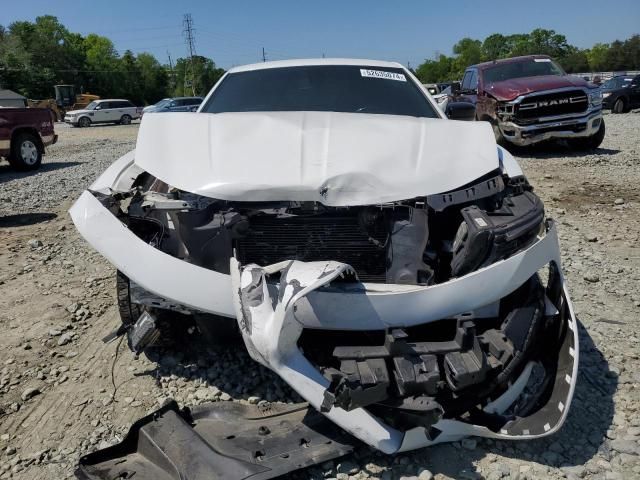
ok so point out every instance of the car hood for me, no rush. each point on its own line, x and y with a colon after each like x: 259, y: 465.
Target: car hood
x: 334, y: 158
x: 507, y: 90
x: 76, y: 112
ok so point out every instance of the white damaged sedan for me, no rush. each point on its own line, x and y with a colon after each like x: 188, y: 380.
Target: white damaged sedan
x: 392, y: 265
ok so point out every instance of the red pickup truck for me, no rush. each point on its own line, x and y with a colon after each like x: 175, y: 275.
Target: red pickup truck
x: 24, y: 134
x: 530, y: 99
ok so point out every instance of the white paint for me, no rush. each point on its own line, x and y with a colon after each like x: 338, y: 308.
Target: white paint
x: 356, y: 307
x: 152, y: 269
x: 334, y: 158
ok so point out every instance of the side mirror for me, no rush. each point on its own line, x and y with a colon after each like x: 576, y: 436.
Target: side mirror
x: 98, y: 108
x: 455, y: 88
x: 461, y: 111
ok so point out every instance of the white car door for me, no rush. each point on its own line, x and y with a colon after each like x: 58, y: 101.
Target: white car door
x: 101, y: 112
x: 111, y: 112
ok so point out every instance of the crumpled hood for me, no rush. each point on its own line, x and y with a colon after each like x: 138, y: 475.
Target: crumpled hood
x: 508, y: 90
x: 334, y: 158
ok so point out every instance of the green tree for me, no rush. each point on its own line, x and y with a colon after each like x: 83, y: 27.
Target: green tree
x: 101, y: 65
x: 432, y: 71
x: 154, y: 78
x: 575, y: 61
x: 495, y: 46
x: 548, y: 42
x: 55, y: 54
x: 206, y: 74
x: 468, y: 52
x: 597, y: 56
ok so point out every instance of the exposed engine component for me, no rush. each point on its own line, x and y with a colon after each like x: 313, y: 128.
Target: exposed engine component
x: 431, y: 371
x: 414, y: 242
x: 485, y: 237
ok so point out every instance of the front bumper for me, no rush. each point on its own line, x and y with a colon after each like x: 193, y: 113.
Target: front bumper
x: 71, y: 120
x: 608, y: 101
x: 580, y: 127
x: 274, y: 328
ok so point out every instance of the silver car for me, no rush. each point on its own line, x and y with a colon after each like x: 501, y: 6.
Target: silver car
x: 178, y: 104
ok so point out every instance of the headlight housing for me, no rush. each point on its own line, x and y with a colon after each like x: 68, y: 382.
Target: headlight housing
x: 606, y: 94
x: 595, y: 98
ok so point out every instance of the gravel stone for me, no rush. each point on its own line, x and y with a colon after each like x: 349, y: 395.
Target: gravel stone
x: 425, y: 475
x: 630, y: 447
x: 29, y: 393
x: 592, y: 278
x: 64, y: 339
x: 64, y: 283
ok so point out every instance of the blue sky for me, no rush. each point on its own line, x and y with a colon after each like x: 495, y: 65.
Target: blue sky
x: 235, y: 32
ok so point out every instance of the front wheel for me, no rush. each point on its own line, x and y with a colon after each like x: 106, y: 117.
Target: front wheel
x: 619, y: 106
x: 84, y: 122
x: 125, y: 120
x: 25, y: 152
x: 500, y: 140
x: 589, y: 143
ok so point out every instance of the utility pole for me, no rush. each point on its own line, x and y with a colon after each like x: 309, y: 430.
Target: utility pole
x: 172, y: 79
x: 189, y: 73
x: 264, y: 56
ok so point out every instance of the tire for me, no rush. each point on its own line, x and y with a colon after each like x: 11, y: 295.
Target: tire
x: 125, y: 120
x: 589, y: 143
x: 619, y: 106
x: 84, y: 122
x: 500, y: 140
x: 26, y: 153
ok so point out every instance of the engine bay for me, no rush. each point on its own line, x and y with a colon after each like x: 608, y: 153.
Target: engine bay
x: 420, y: 241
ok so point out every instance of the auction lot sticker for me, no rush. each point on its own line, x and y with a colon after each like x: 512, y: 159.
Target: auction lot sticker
x: 365, y: 72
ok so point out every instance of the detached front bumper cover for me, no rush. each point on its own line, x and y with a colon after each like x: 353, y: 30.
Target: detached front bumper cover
x: 272, y: 316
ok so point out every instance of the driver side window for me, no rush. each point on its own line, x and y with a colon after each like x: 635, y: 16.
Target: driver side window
x: 473, y: 83
x: 466, y: 80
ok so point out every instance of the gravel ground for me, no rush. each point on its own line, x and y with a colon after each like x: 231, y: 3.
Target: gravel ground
x: 57, y: 302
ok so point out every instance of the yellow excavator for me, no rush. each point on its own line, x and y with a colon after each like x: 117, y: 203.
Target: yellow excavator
x: 66, y: 100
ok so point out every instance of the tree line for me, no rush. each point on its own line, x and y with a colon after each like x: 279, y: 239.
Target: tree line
x: 616, y: 56
x: 35, y: 56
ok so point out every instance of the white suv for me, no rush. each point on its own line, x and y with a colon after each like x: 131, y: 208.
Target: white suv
x: 104, y: 111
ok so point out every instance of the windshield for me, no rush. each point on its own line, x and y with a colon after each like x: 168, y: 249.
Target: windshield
x: 533, y: 67
x: 91, y: 106
x: 331, y: 88
x: 163, y: 103
x: 617, y: 82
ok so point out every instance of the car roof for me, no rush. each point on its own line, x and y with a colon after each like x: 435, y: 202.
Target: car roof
x: 305, y: 62
x: 483, y: 65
